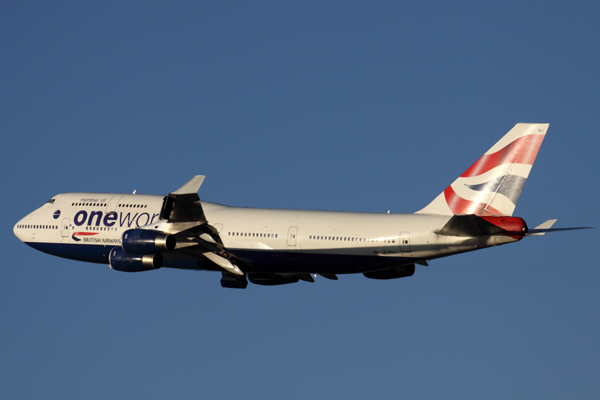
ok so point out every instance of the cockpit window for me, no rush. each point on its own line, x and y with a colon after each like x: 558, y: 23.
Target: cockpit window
x: 51, y: 201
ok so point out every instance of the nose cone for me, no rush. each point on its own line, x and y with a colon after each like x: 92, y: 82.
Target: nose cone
x: 19, y: 231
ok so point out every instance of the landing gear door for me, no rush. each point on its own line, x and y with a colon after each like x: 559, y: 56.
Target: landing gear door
x: 405, y: 242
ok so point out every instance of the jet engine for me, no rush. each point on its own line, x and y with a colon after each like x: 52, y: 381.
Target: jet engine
x: 119, y: 260
x: 271, y: 279
x: 142, y: 241
x: 234, y: 281
x: 392, y: 273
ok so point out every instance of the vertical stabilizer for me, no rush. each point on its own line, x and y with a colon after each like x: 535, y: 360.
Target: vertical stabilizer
x: 492, y: 186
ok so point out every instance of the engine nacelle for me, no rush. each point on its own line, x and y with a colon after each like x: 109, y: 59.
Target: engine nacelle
x: 271, y: 279
x: 234, y: 281
x: 119, y: 260
x: 392, y: 273
x: 142, y: 241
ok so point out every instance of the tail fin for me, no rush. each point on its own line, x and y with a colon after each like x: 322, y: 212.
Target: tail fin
x: 493, y: 184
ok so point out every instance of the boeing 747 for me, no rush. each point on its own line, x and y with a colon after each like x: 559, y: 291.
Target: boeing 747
x: 133, y: 232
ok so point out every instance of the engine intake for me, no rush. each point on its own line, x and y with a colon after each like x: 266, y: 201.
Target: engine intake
x: 119, y: 260
x: 142, y: 241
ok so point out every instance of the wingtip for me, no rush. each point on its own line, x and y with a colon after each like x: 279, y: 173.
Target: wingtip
x: 192, y: 186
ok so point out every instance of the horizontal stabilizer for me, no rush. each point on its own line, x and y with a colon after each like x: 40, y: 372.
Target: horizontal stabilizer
x: 541, y: 229
x: 540, y: 232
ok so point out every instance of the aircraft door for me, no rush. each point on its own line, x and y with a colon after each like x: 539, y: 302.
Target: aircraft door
x: 112, y: 203
x: 64, y: 232
x: 292, y: 233
x: 405, y: 242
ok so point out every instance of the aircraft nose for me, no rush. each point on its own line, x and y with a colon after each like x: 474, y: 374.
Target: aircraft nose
x: 16, y: 230
x: 20, y: 229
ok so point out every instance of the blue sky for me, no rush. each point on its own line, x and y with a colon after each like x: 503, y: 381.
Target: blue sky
x: 356, y: 106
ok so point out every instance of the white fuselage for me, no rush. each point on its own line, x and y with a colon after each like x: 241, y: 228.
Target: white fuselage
x: 134, y: 233
x: 86, y: 226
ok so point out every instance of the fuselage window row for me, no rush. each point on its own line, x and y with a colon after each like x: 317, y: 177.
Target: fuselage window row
x: 246, y: 234
x: 104, y: 205
x: 87, y: 228
x: 99, y: 228
x: 351, y: 239
x: 337, y: 238
x: 37, y: 227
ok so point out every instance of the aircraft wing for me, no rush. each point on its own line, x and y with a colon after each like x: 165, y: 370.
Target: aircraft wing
x: 182, y: 215
x: 182, y: 209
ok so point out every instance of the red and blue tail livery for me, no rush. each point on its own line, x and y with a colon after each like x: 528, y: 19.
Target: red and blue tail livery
x: 134, y: 233
x: 492, y: 186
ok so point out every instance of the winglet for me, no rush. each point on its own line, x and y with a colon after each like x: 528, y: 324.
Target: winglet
x: 192, y: 186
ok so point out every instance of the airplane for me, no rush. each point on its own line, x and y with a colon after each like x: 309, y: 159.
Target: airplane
x: 134, y: 232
